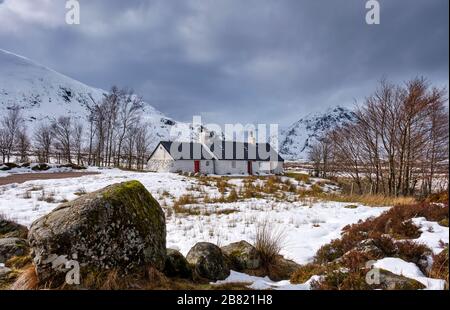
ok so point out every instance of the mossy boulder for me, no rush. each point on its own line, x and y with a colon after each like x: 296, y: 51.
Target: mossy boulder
x: 10, y: 247
x: 391, y: 281
x: 242, y: 255
x: 9, y: 229
x: 120, y: 227
x: 208, y: 261
x: 177, y: 265
x: 40, y: 167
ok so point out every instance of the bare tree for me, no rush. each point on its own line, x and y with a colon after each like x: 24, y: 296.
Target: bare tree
x: 10, y: 125
x: 43, y: 139
x: 23, y: 145
x: 78, y: 142
x: 129, y: 115
x: 62, y: 131
x: 398, y: 140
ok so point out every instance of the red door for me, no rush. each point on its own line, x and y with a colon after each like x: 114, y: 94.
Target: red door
x: 250, y: 168
x: 196, y: 166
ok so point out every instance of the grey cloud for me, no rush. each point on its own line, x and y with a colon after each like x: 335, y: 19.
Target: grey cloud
x: 244, y: 61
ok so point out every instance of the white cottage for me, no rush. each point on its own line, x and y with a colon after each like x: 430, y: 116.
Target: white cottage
x: 220, y: 157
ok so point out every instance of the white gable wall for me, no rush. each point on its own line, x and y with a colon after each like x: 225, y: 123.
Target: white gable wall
x: 161, y: 154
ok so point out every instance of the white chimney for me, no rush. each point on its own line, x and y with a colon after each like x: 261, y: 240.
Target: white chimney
x: 202, y: 135
x: 251, y: 138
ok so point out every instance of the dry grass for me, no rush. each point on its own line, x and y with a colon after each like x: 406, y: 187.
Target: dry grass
x: 269, y: 241
x: 371, y: 200
x: 27, y: 280
x: 439, y: 269
x: 300, y: 177
x: 47, y: 196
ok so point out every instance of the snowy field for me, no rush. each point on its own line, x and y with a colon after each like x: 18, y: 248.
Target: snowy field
x: 307, y: 225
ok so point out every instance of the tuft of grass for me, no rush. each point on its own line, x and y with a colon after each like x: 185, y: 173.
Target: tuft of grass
x: 18, y: 262
x: 444, y: 222
x: 80, y: 191
x: 269, y: 241
x: 47, y: 196
x: 300, y: 177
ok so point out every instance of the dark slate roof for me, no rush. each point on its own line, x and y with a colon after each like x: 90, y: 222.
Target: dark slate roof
x: 227, y: 150
x: 245, y: 151
x: 187, y: 150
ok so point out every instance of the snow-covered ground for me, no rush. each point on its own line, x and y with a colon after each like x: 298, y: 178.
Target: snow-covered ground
x: 306, y: 224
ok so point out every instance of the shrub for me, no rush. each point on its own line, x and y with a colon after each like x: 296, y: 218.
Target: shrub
x: 412, y: 251
x: 441, y: 197
x: 305, y: 272
x: 342, y: 280
x: 439, y: 269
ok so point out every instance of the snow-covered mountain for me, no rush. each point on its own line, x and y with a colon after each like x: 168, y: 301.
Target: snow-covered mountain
x: 44, y: 94
x: 295, y: 141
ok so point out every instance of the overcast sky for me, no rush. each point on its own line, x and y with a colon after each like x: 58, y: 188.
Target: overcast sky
x: 233, y: 61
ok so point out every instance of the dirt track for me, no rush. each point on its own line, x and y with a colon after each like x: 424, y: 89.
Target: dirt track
x: 21, y: 178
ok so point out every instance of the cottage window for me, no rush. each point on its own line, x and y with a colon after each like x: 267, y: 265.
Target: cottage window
x: 233, y: 164
x: 207, y: 163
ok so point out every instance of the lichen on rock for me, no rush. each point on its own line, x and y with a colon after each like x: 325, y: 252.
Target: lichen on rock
x: 120, y: 226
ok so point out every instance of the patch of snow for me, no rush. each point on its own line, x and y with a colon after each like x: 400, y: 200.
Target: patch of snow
x: 264, y: 283
x: 433, y: 234
x: 409, y: 270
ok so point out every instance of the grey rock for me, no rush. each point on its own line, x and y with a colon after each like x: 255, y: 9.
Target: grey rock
x: 10, y: 247
x: 208, y: 261
x: 120, y: 226
x: 391, y: 281
x: 10, y: 229
x: 242, y: 255
x: 177, y: 265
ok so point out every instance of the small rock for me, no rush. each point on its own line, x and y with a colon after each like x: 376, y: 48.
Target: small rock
x: 10, y: 247
x: 9, y: 229
x: 208, y: 261
x: 242, y: 255
x: 284, y: 269
x: 177, y: 265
